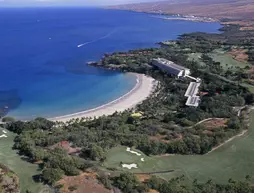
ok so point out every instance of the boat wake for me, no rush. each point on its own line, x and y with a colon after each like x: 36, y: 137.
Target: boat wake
x: 96, y: 40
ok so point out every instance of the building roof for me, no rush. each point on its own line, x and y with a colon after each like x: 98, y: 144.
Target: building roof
x: 193, y: 101
x: 192, y: 89
x: 170, y: 64
x: 191, y: 93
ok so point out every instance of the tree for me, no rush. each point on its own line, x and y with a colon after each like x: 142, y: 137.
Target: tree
x: 8, y: 119
x: 16, y: 127
x: 104, y: 179
x: 52, y: 175
x: 234, y: 123
x: 249, y: 98
x: 93, y: 152
x: 154, y: 183
x: 128, y: 183
x: 73, y: 188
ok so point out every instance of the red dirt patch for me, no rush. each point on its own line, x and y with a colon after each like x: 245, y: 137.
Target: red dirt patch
x: 214, y: 123
x: 209, y: 133
x: 159, y: 138
x: 66, y: 145
x: 38, y: 162
x: 239, y: 55
x: 251, y: 74
x: 178, y: 136
x: 162, y: 138
x: 153, y: 191
x: 84, y: 183
x: 143, y: 177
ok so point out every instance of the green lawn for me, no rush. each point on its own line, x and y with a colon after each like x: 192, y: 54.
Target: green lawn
x: 249, y: 86
x: 233, y: 160
x: 226, y: 60
x: 196, y: 57
x: 23, y: 169
x: 119, y: 154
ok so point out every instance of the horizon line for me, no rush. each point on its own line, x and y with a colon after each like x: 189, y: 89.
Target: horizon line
x: 50, y: 6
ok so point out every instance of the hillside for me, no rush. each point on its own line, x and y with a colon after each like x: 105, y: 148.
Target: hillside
x: 9, y: 182
x: 241, y: 11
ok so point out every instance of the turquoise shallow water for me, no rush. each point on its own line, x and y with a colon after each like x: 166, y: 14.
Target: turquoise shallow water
x: 44, y: 53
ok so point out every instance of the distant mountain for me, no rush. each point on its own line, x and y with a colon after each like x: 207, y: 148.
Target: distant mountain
x: 218, y: 9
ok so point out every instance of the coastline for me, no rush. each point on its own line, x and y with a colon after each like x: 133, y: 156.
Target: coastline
x: 185, y: 18
x: 144, y: 88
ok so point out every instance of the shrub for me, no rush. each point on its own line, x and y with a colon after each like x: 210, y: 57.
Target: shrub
x: 8, y: 119
x: 72, y: 188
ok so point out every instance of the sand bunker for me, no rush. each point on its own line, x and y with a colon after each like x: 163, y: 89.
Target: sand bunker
x: 129, y: 166
x: 4, y: 131
x: 134, y: 152
x: 142, y: 159
x: 1, y: 136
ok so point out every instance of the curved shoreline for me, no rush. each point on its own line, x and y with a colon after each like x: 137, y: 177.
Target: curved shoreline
x: 143, y: 88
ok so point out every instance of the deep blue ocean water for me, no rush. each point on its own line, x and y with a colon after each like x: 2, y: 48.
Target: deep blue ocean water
x: 44, y: 72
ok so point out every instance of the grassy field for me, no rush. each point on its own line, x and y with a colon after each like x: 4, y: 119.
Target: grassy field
x: 119, y: 154
x: 23, y: 169
x: 233, y: 160
x: 249, y: 86
x: 196, y: 57
x: 226, y: 60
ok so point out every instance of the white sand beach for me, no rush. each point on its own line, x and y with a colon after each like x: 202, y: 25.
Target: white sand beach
x: 143, y: 88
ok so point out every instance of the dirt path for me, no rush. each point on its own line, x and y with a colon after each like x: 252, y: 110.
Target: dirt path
x: 230, y: 139
x: 208, y: 119
x: 156, y: 172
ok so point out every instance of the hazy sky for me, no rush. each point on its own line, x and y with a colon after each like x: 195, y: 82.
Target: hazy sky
x: 66, y: 2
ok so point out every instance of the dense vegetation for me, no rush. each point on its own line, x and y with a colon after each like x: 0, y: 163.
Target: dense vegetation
x: 128, y: 183
x: 166, y: 124
x: 177, y: 186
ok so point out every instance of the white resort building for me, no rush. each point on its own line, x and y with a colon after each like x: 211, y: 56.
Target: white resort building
x: 180, y: 71
x: 191, y: 93
x: 193, y: 101
x: 171, y: 67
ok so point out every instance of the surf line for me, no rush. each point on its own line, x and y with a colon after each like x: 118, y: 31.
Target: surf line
x: 101, y: 38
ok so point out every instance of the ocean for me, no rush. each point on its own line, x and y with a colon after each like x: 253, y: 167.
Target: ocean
x: 44, y: 54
